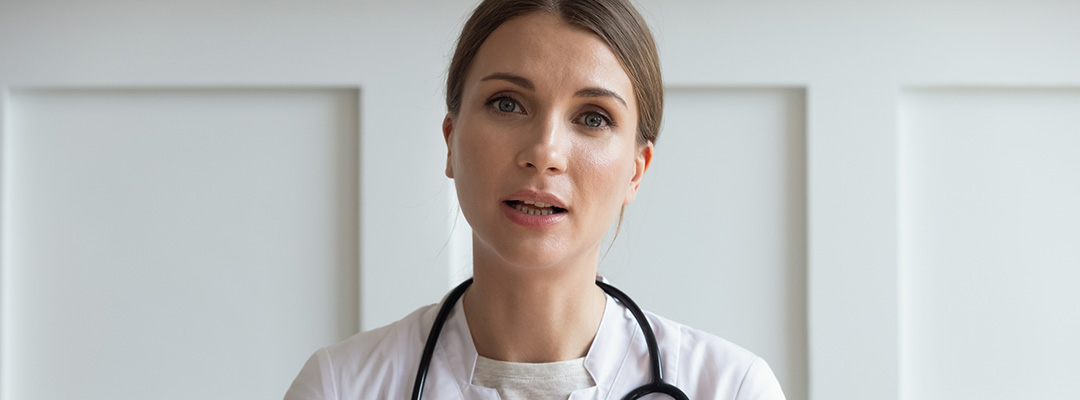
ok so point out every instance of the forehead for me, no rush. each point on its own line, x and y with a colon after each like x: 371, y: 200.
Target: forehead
x: 551, y: 53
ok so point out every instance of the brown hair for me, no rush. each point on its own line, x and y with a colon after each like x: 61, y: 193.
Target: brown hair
x: 614, y: 21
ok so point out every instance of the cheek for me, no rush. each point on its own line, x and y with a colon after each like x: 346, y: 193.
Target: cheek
x: 477, y: 159
x: 606, y: 174
x: 468, y: 151
x: 469, y: 178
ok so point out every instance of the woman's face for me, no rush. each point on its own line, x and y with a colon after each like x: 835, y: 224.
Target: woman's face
x: 543, y: 149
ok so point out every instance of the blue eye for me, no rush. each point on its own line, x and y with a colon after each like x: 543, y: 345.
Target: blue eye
x: 596, y: 120
x: 506, y: 104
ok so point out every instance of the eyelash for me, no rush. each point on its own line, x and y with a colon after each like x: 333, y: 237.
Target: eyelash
x: 608, y: 123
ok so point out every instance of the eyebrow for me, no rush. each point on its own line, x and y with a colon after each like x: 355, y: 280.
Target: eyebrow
x: 527, y: 84
x: 515, y: 79
x: 600, y: 92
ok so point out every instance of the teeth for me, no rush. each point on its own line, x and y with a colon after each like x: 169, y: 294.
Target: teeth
x: 536, y: 203
x: 534, y: 211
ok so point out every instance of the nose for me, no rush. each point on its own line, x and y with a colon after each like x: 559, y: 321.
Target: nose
x: 546, y: 148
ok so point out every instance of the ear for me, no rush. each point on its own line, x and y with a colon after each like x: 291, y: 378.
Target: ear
x: 641, y: 164
x: 447, y: 129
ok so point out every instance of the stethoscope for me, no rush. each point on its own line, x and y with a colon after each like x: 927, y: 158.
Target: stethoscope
x: 657, y: 385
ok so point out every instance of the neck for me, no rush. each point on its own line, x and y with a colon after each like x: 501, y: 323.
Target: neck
x: 542, y: 315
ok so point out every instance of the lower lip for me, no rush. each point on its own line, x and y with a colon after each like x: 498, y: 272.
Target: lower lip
x: 532, y: 221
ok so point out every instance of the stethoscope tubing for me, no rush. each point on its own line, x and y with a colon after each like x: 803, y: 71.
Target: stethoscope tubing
x: 433, y: 337
x: 656, y: 384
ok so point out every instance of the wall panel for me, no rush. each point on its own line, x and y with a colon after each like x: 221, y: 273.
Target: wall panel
x: 717, y: 236
x: 990, y: 227
x: 166, y: 243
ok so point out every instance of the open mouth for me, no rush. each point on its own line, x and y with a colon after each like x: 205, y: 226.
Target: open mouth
x: 534, y: 207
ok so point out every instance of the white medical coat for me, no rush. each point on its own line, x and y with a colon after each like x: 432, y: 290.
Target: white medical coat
x: 382, y: 364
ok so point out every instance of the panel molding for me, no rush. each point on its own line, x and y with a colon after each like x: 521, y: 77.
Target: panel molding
x: 89, y: 137
x: 960, y: 146
x: 725, y: 203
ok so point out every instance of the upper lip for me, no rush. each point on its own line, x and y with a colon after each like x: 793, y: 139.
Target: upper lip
x: 535, y: 195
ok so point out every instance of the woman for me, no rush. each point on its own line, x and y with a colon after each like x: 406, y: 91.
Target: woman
x: 553, y: 111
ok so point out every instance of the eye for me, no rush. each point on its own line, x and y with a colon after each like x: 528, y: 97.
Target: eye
x: 505, y: 104
x: 596, y: 120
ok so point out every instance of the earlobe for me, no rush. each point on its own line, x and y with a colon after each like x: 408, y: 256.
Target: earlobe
x: 641, y: 164
x: 448, y: 128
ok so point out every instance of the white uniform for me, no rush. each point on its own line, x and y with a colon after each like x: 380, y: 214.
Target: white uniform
x: 382, y: 364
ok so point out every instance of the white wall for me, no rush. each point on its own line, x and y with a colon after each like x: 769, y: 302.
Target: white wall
x: 891, y: 180
x: 722, y: 213
x: 991, y: 182
x: 159, y: 238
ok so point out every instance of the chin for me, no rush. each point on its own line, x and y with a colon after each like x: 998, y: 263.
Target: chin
x: 534, y: 264
x: 533, y: 258
x: 531, y: 254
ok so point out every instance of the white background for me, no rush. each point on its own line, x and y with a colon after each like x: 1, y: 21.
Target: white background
x: 877, y: 197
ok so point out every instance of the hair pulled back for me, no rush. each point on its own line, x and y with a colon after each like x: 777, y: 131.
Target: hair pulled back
x: 616, y: 22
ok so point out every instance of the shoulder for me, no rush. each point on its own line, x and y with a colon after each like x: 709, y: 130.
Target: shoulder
x: 363, y: 348
x: 713, y: 367
x: 377, y: 363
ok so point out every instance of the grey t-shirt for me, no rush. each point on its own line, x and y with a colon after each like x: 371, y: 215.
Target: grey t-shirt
x: 554, y: 380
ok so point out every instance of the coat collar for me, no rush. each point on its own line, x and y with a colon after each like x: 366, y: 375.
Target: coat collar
x: 604, y: 361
